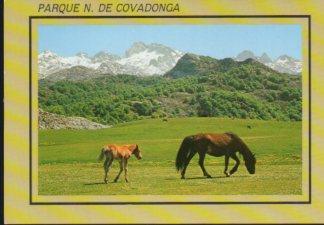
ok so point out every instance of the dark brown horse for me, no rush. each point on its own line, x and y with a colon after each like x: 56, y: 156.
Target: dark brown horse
x: 226, y: 144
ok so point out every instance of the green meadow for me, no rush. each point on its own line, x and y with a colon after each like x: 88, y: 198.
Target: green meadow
x: 68, y: 159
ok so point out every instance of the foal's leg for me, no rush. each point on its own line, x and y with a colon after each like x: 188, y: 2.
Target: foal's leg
x: 226, y: 165
x: 121, y: 166
x: 125, y: 168
x: 107, y: 165
x: 201, y: 164
x: 186, y: 165
x: 237, y: 163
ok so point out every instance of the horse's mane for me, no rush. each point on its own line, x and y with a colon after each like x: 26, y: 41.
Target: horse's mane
x: 243, y: 148
x: 133, y: 147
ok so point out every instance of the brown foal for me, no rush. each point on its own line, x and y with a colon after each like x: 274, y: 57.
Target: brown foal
x: 120, y: 152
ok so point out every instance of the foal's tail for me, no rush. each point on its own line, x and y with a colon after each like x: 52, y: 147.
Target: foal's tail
x: 184, y: 151
x: 102, y: 154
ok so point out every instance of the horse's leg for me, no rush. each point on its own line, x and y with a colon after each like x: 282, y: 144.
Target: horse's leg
x: 125, y: 168
x: 106, y: 169
x: 186, y: 165
x: 121, y: 166
x: 201, y: 164
x: 226, y: 165
x: 237, y: 163
x: 107, y: 165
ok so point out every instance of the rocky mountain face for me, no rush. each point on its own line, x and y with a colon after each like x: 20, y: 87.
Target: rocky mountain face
x: 54, y: 121
x: 73, y: 73
x: 283, y: 64
x: 245, y: 55
x: 141, y: 59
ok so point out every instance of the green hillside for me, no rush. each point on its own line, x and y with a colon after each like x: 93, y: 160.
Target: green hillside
x: 196, y: 86
x: 191, y: 64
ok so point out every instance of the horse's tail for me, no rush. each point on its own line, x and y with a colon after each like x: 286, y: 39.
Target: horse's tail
x: 183, y: 153
x: 102, y: 154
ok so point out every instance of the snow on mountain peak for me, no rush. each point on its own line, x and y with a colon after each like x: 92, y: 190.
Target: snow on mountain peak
x: 136, y: 47
x: 104, y: 56
x: 154, y: 59
x: 47, y: 54
x: 140, y: 59
x: 283, y: 64
x: 82, y: 55
x: 284, y: 57
x: 287, y: 64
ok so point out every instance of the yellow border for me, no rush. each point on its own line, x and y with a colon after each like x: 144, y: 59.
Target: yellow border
x: 16, y: 149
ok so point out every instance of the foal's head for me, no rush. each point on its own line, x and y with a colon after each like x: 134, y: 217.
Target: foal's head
x: 137, y: 152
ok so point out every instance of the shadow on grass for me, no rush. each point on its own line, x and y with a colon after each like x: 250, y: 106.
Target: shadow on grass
x: 101, y: 183
x: 195, y: 178
x: 200, y: 178
x: 94, y: 183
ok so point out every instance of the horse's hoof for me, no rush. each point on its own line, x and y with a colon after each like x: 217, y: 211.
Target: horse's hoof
x: 208, y: 176
x: 106, y: 181
x: 126, y: 181
x: 182, y: 178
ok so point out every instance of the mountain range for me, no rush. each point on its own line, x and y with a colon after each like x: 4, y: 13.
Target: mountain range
x: 143, y: 60
x: 283, y: 64
x: 140, y: 59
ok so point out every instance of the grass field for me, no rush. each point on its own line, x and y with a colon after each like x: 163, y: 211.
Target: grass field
x: 68, y: 166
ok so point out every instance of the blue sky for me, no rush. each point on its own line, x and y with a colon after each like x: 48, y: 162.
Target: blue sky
x: 218, y: 41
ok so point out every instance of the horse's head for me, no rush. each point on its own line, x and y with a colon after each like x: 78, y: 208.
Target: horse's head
x: 137, y: 152
x: 250, y: 163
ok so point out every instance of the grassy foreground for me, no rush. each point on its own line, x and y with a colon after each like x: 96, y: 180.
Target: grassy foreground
x: 68, y: 166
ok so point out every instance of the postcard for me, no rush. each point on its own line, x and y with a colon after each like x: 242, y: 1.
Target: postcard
x: 167, y: 112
